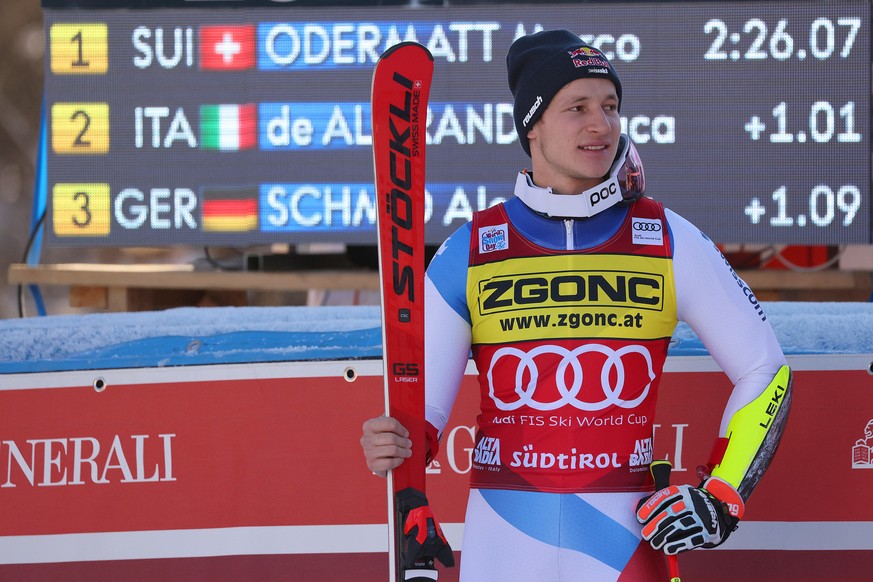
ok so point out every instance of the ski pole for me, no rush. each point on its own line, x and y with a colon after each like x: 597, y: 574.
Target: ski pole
x: 661, y: 473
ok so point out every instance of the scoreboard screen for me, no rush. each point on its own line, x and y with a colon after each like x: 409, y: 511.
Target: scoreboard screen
x: 214, y: 125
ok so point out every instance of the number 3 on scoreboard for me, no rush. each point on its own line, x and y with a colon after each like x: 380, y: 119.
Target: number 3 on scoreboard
x: 80, y: 210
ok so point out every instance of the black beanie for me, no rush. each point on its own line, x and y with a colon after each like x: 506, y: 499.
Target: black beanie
x: 540, y: 64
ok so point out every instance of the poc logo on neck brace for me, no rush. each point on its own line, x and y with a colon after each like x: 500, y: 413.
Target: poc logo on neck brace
x: 602, y: 193
x: 582, y: 205
x: 603, y: 196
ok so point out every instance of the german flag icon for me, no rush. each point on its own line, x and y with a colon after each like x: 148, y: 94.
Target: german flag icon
x: 229, y: 208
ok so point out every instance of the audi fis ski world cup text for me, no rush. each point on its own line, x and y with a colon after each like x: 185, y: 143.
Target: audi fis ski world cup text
x: 570, y: 421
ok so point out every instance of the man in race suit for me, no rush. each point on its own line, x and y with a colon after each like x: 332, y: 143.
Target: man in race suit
x: 567, y: 295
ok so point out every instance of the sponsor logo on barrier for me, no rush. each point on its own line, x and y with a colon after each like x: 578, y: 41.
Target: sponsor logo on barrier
x: 88, y: 460
x: 862, y: 452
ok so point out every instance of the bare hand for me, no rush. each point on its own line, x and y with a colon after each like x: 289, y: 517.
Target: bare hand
x: 386, y: 444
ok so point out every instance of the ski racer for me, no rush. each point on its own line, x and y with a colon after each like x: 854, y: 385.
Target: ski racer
x: 567, y: 295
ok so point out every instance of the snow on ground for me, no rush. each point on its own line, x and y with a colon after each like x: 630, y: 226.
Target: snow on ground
x: 192, y: 335
x: 188, y: 336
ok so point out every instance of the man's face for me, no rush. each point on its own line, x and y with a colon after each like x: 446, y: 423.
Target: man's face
x: 868, y: 430
x: 574, y: 143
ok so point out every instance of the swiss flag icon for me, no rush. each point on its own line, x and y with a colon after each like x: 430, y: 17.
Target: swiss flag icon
x: 227, y: 48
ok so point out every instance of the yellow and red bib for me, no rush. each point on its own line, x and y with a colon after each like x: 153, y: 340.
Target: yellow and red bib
x: 569, y: 346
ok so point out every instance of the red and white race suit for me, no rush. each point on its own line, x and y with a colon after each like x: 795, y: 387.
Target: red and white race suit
x: 569, y: 322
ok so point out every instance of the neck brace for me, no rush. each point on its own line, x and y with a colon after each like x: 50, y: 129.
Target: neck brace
x: 624, y: 182
x: 582, y: 205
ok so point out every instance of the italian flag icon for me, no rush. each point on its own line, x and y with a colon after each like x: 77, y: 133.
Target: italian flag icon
x: 228, y: 127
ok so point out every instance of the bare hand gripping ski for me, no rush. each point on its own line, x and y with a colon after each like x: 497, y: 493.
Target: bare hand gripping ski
x: 401, y: 84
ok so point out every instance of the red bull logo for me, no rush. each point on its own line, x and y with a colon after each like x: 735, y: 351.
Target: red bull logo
x: 584, y: 51
x: 592, y: 62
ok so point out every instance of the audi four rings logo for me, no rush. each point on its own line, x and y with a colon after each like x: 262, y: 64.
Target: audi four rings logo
x: 650, y: 226
x: 569, y: 395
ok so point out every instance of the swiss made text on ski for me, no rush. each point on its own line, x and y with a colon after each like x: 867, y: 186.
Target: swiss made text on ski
x: 401, y: 84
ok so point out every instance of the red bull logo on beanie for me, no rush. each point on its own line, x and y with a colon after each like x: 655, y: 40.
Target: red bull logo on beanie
x: 585, y: 51
x: 585, y: 56
x: 592, y: 62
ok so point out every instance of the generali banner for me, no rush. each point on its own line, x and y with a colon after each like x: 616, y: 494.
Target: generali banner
x: 255, y: 472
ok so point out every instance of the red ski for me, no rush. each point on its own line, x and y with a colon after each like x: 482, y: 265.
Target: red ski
x: 401, y: 84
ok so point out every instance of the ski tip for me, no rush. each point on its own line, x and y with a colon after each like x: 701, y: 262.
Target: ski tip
x: 403, y: 44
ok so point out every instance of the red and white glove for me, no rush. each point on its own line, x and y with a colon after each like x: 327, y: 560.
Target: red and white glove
x: 679, y: 518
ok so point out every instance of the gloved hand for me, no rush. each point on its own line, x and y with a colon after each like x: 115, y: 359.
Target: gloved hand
x: 681, y: 517
x: 423, y: 539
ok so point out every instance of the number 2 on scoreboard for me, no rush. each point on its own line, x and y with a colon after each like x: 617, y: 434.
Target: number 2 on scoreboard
x: 80, y: 128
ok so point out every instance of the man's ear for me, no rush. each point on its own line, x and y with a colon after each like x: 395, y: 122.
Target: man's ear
x: 532, y: 133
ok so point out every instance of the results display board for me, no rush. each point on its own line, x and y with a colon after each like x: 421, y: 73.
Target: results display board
x: 239, y: 127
